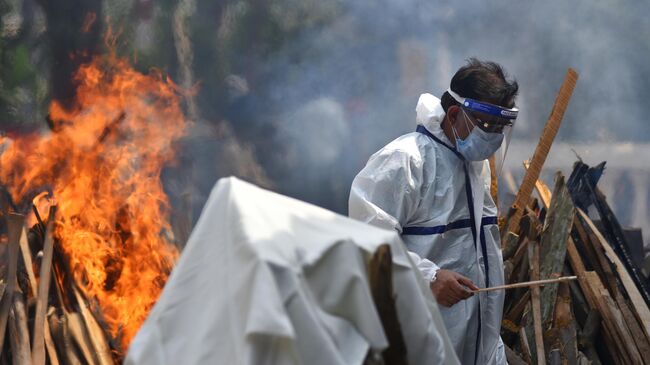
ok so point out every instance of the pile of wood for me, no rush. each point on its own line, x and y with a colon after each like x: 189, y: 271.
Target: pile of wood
x: 44, y: 316
x: 604, y: 316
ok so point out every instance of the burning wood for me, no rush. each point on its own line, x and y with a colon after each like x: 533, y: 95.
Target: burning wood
x: 108, y: 249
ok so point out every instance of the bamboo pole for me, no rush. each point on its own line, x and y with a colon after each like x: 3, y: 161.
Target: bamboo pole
x: 543, y: 147
x: 533, y: 283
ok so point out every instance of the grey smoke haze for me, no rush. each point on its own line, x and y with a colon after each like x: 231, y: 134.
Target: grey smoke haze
x: 375, y: 57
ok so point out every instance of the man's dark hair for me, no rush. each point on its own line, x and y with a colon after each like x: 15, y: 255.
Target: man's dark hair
x: 483, y: 81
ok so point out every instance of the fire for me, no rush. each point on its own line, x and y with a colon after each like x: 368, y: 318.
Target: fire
x: 102, y: 164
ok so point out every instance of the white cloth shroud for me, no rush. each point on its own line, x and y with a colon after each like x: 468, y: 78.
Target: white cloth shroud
x: 266, y: 279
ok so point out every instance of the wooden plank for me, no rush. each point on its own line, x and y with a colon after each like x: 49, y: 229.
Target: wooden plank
x: 638, y: 303
x: 513, y: 358
x: 543, y: 147
x: 18, y: 331
x: 533, y: 254
x: 557, y: 228
x: 542, y: 190
x: 96, y: 334
x: 15, y: 223
x: 525, y: 348
x: 33, y: 285
x: 620, y: 336
x: 38, y: 339
x: 564, y: 324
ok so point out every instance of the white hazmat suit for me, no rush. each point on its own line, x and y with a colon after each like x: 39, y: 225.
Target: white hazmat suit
x: 420, y: 186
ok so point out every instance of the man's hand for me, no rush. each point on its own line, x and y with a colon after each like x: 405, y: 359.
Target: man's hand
x: 450, y: 288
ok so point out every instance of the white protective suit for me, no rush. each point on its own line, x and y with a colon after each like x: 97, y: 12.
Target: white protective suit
x: 420, y: 186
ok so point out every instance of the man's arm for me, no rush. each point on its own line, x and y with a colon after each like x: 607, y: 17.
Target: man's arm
x: 385, y: 194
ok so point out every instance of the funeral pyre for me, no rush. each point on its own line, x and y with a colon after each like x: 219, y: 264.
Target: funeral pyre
x: 84, y: 204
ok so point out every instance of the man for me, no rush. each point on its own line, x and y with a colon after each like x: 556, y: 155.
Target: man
x: 432, y: 186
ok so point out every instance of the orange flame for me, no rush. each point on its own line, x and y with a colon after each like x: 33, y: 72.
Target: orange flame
x: 103, y: 165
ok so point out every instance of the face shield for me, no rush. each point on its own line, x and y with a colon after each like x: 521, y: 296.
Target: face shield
x: 490, y: 118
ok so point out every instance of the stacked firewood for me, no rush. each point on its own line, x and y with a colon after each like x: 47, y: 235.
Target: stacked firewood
x: 604, y: 316
x: 44, y: 316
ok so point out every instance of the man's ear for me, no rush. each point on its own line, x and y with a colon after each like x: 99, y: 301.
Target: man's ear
x: 452, y: 113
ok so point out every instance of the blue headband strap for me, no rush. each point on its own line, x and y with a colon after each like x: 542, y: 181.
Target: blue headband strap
x: 485, y: 108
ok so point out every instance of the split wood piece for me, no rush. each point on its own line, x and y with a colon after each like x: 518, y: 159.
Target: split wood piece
x: 616, y: 346
x: 578, y: 267
x: 513, y: 315
x: 543, y: 147
x: 557, y: 228
x: 14, y: 225
x: 510, y: 244
x: 27, y: 260
x: 613, y: 314
x: 533, y: 255
x: 380, y: 273
x: 38, y: 340
x: 596, y: 255
x: 78, y: 333
x: 18, y: 331
x: 96, y: 334
x: 513, y: 358
x: 517, y: 258
x: 59, y: 326
x: 542, y: 190
x: 564, y: 324
x: 638, y: 304
x: 604, y: 269
x: 525, y: 348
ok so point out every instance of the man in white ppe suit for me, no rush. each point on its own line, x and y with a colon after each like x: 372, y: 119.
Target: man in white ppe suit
x: 432, y: 186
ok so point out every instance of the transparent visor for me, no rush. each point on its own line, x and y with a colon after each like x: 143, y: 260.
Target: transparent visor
x: 491, y: 118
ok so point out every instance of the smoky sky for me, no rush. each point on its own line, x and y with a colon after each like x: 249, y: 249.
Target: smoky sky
x: 353, y: 81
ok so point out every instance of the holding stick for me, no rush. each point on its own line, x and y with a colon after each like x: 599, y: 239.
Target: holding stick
x: 528, y: 283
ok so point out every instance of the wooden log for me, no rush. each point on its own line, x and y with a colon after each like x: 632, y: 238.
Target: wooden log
x: 510, y: 244
x: 27, y: 261
x: 587, y: 337
x: 96, y: 334
x: 620, y: 335
x: 639, y: 306
x: 525, y: 347
x: 59, y: 327
x: 18, y: 331
x: 80, y: 336
x: 513, y: 358
x: 557, y: 228
x: 564, y: 324
x: 539, y: 352
x: 15, y: 223
x: 38, y: 339
x: 542, y: 149
x: 380, y: 275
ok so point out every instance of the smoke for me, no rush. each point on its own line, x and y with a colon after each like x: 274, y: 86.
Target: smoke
x: 308, y: 90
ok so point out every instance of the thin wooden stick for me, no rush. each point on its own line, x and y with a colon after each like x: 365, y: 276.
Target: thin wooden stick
x: 528, y: 283
x: 38, y: 336
x: 27, y: 260
x: 14, y: 225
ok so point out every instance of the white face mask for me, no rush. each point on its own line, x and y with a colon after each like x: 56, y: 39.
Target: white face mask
x: 479, y: 144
